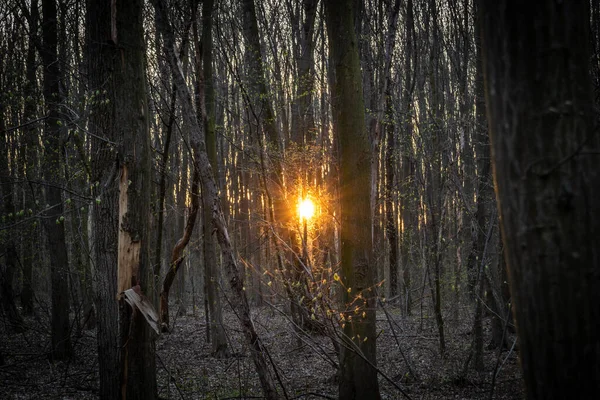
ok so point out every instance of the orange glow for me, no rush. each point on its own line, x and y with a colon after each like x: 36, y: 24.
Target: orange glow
x: 306, y: 209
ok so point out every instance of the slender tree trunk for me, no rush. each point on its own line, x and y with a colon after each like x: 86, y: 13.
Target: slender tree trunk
x: 31, y: 159
x: 388, y: 121
x: 177, y: 256
x: 212, y: 273
x: 104, y: 221
x: 545, y: 157
x: 407, y: 171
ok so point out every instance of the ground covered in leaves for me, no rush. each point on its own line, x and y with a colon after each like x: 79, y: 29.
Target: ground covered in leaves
x: 408, y: 357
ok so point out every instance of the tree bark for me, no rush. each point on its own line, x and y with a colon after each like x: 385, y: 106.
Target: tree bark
x: 406, y: 179
x: 358, y: 375
x: 30, y: 159
x: 303, y: 31
x: 544, y: 151
x: 211, y: 274
x: 53, y: 216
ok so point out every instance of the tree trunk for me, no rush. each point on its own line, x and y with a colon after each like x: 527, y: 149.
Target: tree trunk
x: 388, y: 121
x: 408, y: 206
x: 302, y: 116
x: 31, y: 160
x: 211, y: 274
x: 53, y: 216
x: 358, y: 375
x: 121, y: 175
x: 544, y: 148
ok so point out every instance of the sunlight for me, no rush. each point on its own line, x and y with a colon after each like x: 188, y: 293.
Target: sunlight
x: 306, y: 209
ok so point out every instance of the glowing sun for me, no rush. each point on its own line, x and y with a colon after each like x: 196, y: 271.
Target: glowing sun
x: 306, y: 209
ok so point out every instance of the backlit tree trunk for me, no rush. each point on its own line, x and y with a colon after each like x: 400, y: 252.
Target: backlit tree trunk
x: 545, y: 158
x: 358, y: 376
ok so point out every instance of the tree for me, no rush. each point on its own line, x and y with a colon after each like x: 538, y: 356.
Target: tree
x: 358, y: 375
x: 121, y: 176
x: 211, y: 271
x: 53, y: 215
x: 31, y: 155
x: 544, y: 150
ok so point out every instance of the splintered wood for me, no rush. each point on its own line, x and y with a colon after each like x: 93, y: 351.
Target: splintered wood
x: 136, y: 299
x: 129, y: 247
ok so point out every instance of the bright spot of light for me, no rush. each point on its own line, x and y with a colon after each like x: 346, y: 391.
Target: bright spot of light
x: 306, y: 209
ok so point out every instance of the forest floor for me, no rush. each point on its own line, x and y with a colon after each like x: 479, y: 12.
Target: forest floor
x: 186, y: 370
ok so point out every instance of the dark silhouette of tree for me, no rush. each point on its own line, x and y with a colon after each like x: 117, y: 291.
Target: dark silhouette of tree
x: 545, y: 157
x: 121, y: 172
x: 52, y: 173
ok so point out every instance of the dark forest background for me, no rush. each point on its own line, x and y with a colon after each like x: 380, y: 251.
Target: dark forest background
x: 154, y: 156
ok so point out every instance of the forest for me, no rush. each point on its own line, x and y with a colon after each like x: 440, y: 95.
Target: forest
x: 299, y: 199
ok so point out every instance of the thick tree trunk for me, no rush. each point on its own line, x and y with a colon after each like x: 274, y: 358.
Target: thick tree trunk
x: 544, y: 148
x: 134, y: 267
x: 53, y: 216
x: 358, y: 374
x: 121, y: 175
x: 9, y: 265
x: 104, y: 223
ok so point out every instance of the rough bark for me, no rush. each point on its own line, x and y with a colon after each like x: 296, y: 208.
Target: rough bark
x: 9, y: 265
x: 358, y: 375
x: 121, y: 175
x: 53, y: 215
x: 104, y: 224
x: 303, y: 30
x: 545, y: 161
